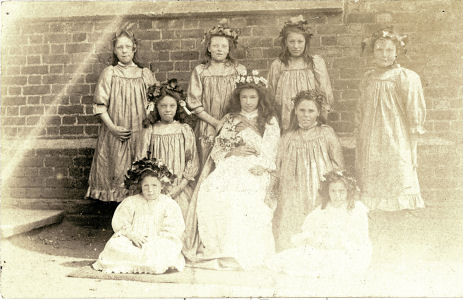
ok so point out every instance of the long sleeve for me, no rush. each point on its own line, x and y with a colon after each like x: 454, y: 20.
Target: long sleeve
x: 102, y: 91
x: 270, y: 144
x: 323, y: 81
x: 173, y: 225
x: 273, y: 75
x: 415, y: 106
x: 191, y: 154
x: 148, y: 77
x: 334, y: 148
x: 195, y: 91
x: 123, y: 216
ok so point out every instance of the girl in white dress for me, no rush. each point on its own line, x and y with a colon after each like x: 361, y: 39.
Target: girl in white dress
x: 229, y: 225
x: 334, y: 240
x: 148, y: 227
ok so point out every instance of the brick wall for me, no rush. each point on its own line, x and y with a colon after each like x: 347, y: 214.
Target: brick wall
x: 50, y: 67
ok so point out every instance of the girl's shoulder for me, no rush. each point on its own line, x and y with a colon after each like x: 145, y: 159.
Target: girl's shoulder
x: 239, y: 68
x: 276, y: 63
x: 327, y: 129
x: 317, y: 59
x: 107, y: 72
x: 132, y: 200
x: 361, y: 208
x: 200, y: 68
x: 168, y: 202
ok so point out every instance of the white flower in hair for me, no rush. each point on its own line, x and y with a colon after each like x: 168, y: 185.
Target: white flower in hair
x: 243, y: 79
x: 243, y: 72
x: 248, y: 79
x: 255, y: 72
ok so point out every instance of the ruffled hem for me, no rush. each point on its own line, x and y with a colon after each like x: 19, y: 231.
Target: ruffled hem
x: 136, y: 269
x: 114, y: 195
x: 413, y: 201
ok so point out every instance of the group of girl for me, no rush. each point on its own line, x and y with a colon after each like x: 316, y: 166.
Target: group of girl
x: 261, y: 172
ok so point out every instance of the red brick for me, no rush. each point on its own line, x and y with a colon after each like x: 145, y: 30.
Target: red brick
x: 188, y: 45
x: 149, y: 35
x: 145, y: 24
x: 14, y: 80
x: 56, y: 69
x: 91, y: 130
x: 31, y: 161
x: 78, y: 88
x: 55, y: 59
x: 87, y: 100
x: 254, y: 53
x: 38, y: 49
x: 166, y: 45
x: 36, y: 90
x: 69, y: 120
x: 361, y: 18
x: 36, y: 39
x: 33, y: 120
x: 15, y: 60
x: 55, y: 99
x: 79, y: 37
x: 26, y: 172
x: 331, y: 29
x: 34, y: 70
x: 88, y: 120
x: 46, y: 172
x: 52, y: 131
x: 52, y: 79
x: 13, y: 70
x: 184, y: 55
x: 9, y: 131
x: 57, y: 49
x: 31, y: 110
x: 26, y: 182
x: 53, y: 120
x: 181, y: 76
x: 67, y: 130
x: 33, y: 60
x: 13, y: 121
x: 78, y: 68
x: 35, y: 28
x: 14, y: 91
x: 33, y: 100
x: 333, y: 116
x: 265, y: 31
x: 11, y: 110
x: 55, y: 161
x: 77, y: 48
x: 182, y: 66
x: 329, y: 40
x: 37, y: 79
x: 89, y: 108
x: 345, y: 84
x: 70, y: 109
x: 75, y: 99
x: 12, y: 101
x: 164, y: 66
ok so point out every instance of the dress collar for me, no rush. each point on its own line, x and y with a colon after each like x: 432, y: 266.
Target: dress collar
x: 250, y: 115
x: 129, y: 65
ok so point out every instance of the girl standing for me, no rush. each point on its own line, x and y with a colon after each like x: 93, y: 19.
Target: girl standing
x: 119, y: 100
x: 334, y: 239
x: 296, y: 70
x: 211, y: 85
x: 172, y: 141
x: 148, y: 227
x: 307, y: 151
x: 390, y: 117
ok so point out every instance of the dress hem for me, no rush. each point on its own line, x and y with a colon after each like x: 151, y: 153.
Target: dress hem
x: 413, y: 201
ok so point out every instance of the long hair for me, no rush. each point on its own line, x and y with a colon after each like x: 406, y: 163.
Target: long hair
x: 284, y: 55
x: 131, y: 36
x: 311, y: 95
x: 349, y: 183
x: 265, y: 108
x: 207, y: 54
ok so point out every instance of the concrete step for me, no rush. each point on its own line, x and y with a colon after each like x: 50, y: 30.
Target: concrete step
x: 17, y: 220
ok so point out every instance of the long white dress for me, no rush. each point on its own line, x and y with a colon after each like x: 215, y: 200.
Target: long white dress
x: 233, y: 220
x: 334, y: 243
x: 161, y: 221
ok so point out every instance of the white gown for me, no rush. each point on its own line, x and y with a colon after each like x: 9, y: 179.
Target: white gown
x: 233, y: 220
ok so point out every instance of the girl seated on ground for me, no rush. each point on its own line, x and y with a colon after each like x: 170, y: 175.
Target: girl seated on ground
x: 148, y: 227
x: 334, y: 241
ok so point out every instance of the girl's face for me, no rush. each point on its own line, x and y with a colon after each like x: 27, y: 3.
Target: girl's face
x: 249, y: 99
x: 295, y: 42
x: 167, y: 107
x: 385, y: 52
x: 124, y: 49
x: 307, y: 114
x: 338, y: 193
x: 150, y: 188
x: 219, y: 48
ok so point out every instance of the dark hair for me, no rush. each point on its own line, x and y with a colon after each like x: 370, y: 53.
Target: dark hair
x: 310, y: 95
x: 265, y: 108
x: 284, y: 55
x: 348, y: 182
x: 231, y: 49
x: 131, y: 36
x: 154, y: 116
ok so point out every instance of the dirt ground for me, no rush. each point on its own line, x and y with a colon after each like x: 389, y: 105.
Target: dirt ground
x: 414, y: 255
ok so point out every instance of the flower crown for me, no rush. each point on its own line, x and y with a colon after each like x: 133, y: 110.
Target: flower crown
x: 386, y: 33
x: 170, y: 87
x: 222, y: 29
x: 243, y: 79
x: 313, y: 95
x: 297, y: 22
x: 350, y: 181
x: 155, y: 166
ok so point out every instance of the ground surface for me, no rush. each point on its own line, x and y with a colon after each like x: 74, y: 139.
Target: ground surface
x: 414, y: 255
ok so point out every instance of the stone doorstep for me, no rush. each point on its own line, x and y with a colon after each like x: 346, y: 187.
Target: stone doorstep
x: 16, y: 220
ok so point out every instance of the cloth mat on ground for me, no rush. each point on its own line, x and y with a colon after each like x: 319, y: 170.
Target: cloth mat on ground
x: 188, y: 276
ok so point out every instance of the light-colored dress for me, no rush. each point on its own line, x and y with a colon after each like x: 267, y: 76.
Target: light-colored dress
x: 334, y: 242
x: 287, y: 81
x: 160, y: 221
x: 391, y: 108
x: 233, y: 221
x: 304, y: 157
x: 121, y: 92
x: 211, y: 92
x: 176, y: 148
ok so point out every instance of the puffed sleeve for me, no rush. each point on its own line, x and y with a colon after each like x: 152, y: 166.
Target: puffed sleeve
x: 195, y: 91
x: 218, y: 152
x: 274, y: 75
x: 415, y: 106
x: 191, y: 153
x: 148, y: 77
x: 323, y: 80
x: 123, y: 215
x: 270, y: 144
x: 173, y: 225
x: 103, y: 91
x: 334, y: 148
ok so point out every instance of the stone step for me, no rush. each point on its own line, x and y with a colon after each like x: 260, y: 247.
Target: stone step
x: 16, y: 220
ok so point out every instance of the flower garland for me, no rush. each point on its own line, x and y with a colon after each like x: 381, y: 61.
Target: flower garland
x: 297, y: 22
x: 386, y: 33
x: 350, y: 181
x: 228, y: 138
x: 155, y: 166
x: 243, y: 79
x: 313, y: 95
x: 222, y: 29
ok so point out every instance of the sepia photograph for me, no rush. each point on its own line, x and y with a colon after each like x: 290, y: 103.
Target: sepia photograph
x: 274, y: 148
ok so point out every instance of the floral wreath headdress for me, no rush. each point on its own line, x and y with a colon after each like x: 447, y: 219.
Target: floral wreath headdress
x: 386, y: 33
x: 313, y: 95
x: 154, y: 166
x: 243, y: 79
x: 299, y: 23
x: 350, y: 181
x: 222, y: 29
x: 158, y: 91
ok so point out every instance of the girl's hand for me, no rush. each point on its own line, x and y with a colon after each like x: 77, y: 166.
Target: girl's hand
x: 242, y: 151
x: 137, y: 240
x: 121, y: 132
x: 174, y: 191
x: 240, y: 127
x: 257, y: 170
